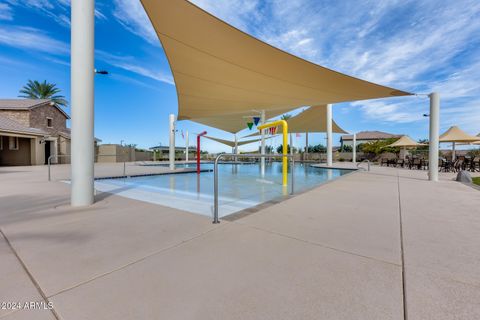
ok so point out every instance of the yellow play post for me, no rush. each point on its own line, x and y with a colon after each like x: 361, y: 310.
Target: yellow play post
x: 284, y: 125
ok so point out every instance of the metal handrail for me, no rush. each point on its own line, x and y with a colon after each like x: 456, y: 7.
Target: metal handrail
x: 252, y: 155
x: 49, y: 161
x: 366, y: 160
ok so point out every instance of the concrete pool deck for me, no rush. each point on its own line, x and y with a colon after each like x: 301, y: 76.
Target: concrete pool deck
x: 334, y: 252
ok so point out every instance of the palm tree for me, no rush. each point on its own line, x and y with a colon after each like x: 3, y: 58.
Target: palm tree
x: 42, y: 90
x: 286, y: 116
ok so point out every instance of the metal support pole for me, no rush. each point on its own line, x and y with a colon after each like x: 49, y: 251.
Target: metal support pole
x: 329, y: 136
x: 354, y: 149
x: 291, y: 144
x: 198, y: 150
x: 186, y: 146
x: 306, y: 142
x: 262, y: 146
x: 171, y: 152
x: 236, y: 144
x: 82, y: 101
x: 453, y: 151
x: 433, y: 138
x: 215, y: 191
x: 292, y: 174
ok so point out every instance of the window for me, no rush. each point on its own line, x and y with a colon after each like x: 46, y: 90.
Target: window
x: 13, y: 143
x: 49, y: 122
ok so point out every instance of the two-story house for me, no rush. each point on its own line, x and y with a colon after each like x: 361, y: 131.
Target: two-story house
x: 32, y: 130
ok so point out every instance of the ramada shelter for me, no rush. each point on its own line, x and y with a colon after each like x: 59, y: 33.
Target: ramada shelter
x: 31, y: 130
x: 366, y: 137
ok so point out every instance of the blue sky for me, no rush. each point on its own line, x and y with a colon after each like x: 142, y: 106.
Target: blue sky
x: 418, y: 46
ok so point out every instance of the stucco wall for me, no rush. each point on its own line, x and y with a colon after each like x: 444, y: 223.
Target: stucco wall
x: 20, y: 157
x: 143, y: 155
x: 115, y: 153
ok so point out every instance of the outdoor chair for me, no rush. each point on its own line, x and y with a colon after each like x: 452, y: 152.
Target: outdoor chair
x: 458, y: 165
x: 384, y: 161
x: 417, y: 164
x: 475, y: 164
x: 400, y: 163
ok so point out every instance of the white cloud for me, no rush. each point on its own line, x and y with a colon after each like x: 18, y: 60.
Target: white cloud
x: 133, y: 17
x: 6, y: 12
x: 418, y: 46
x: 32, y: 39
x: 130, y: 64
x: 58, y: 10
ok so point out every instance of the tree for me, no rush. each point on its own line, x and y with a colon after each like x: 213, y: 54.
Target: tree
x: 286, y: 117
x: 280, y: 149
x: 380, y: 146
x: 317, y: 148
x: 43, y: 90
x: 346, y: 148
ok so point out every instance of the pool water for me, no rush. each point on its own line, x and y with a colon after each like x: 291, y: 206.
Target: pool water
x: 241, y: 186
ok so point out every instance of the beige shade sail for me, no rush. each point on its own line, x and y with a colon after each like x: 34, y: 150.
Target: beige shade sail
x: 231, y: 143
x: 406, y: 141
x: 455, y: 134
x: 220, y: 70
x: 313, y: 119
x: 235, y: 122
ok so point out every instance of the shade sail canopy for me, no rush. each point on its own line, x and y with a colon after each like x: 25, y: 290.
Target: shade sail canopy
x: 455, y: 134
x: 406, y: 141
x: 220, y: 70
x: 235, y: 122
x: 231, y: 143
x: 314, y: 119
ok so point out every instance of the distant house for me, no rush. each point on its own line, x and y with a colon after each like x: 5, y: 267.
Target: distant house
x: 31, y: 130
x: 366, y: 136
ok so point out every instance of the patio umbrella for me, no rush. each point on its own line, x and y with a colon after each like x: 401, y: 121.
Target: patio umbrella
x: 406, y: 142
x: 455, y: 135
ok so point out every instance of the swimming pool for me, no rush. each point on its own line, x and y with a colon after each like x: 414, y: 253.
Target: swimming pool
x: 240, y: 186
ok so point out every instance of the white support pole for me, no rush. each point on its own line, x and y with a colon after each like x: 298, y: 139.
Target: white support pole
x: 82, y: 102
x: 329, y: 136
x: 236, y: 144
x: 354, y: 149
x: 306, y: 142
x: 186, y: 146
x: 291, y: 145
x: 262, y: 147
x: 171, y: 153
x: 453, y: 151
x: 434, y: 138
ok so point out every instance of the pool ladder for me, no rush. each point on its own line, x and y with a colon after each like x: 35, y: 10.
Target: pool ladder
x: 248, y: 155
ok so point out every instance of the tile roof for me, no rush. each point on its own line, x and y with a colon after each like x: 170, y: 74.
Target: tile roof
x: 21, y: 104
x: 11, y: 126
x: 27, y: 104
x: 371, y: 135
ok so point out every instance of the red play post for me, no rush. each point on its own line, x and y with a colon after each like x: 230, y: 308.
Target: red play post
x: 198, y: 150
